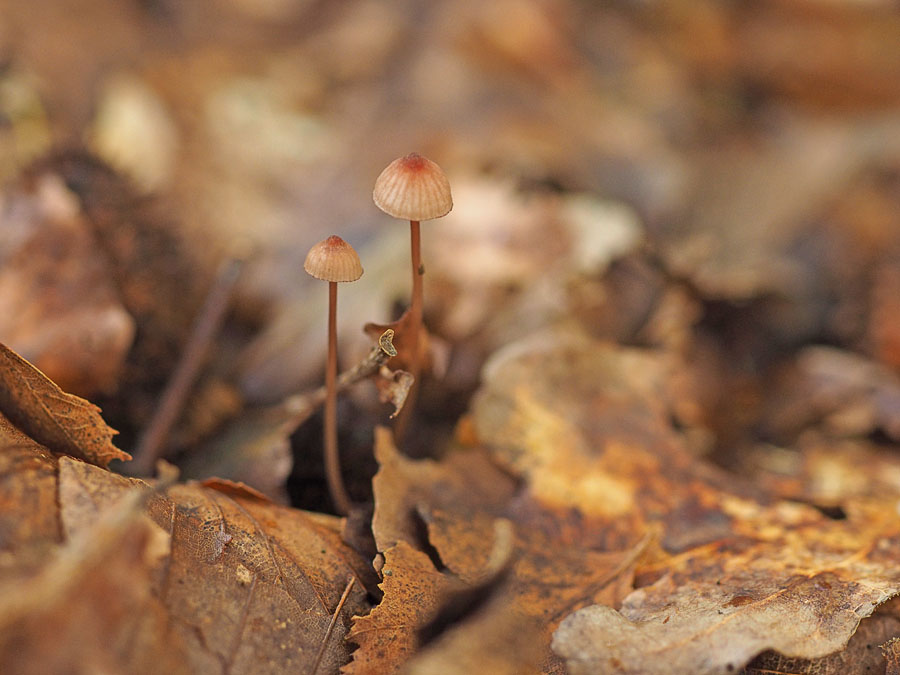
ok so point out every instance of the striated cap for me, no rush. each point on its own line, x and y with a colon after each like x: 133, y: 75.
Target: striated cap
x: 333, y: 259
x: 413, y: 188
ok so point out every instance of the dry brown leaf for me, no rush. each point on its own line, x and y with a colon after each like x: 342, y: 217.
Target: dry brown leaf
x: 585, y: 425
x: 862, y: 654
x: 413, y: 590
x: 891, y: 651
x: 845, y: 394
x: 216, y: 579
x: 401, y: 485
x: 588, y: 426
x: 58, y: 301
x: 715, y: 620
x: 826, y: 472
x: 497, y: 639
x: 29, y: 518
x: 91, y: 605
x: 465, y: 511
x: 62, y: 422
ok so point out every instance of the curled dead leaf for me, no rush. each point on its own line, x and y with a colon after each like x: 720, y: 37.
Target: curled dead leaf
x: 62, y: 422
x: 205, y: 579
x: 393, y: 387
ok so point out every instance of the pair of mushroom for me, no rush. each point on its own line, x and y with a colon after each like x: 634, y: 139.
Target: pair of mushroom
x: 411, y: 188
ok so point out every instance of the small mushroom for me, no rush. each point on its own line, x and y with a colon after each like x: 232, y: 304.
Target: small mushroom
x: 333, y: 260
x: 413, y: 188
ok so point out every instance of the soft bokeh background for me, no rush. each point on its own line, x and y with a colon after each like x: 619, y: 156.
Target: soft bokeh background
x: 738, y: 163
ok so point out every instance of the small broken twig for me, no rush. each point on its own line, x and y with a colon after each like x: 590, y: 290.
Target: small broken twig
x: 208, y: 323
x: 300, y: 406
x: 331, y: 625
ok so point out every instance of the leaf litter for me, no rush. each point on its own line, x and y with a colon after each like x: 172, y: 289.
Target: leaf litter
x: 681, y: 455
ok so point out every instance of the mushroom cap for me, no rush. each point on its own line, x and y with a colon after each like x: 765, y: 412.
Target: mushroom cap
x: 413, y: 188
x: 333, y: 259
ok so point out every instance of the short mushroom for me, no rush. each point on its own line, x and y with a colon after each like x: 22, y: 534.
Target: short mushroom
x: 333, y: 260
x: 414, y: 188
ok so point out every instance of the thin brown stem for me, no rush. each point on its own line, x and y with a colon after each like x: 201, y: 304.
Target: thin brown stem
x: 418, y: 271
x: 209, y: 321
x: 331, y: 625
x: 416, y: 311
x: 332, y: 460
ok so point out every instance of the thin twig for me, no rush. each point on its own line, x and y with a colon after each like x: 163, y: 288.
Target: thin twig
x: 330, y: 629
x: 206, y: 326
x: 300, y: 406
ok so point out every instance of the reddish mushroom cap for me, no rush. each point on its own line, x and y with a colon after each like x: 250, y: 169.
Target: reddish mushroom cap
x: 413, y: 188
x: 333, y: 259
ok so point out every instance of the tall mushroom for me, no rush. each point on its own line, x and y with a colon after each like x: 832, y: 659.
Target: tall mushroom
x: 414, y: 188
x: 333, y: 260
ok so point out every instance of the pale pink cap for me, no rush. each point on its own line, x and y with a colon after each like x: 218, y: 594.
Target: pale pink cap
x: 413, y: 188
x: 333, y: 259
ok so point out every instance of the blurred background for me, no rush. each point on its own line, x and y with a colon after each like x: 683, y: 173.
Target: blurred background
x: 720, y: 180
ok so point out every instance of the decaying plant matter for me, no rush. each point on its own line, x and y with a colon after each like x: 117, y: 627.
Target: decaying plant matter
x: 656, y: 384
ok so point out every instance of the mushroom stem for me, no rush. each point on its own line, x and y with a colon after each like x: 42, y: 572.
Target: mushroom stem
x: 415, y: 311
x: 415, y: 307
x: 332, y: 462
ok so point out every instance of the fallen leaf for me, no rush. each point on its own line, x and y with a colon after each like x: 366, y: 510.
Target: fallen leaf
x: 736, y: 572
x: 465, y: 514
x: 393, y: 387
x: 588, y: 426
x: 58, y: 300
x: 862, y: 654
x: 62, y: 422
x: 29, y: 518
x: 413, y: 590
x: 844, y: 394
x: 217, y: 578
x: 91, y: 605
x: 891, y: 651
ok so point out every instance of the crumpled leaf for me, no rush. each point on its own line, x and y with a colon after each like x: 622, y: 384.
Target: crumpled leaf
x: 216, y: 579
x: 62, y: 422
x: 91, y: 604
x: 464, y: 513
x: 393, y: 387
x: 386, y: 637
x: 715, y: 621
x: 862, y: 655
x: 736, y: 573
